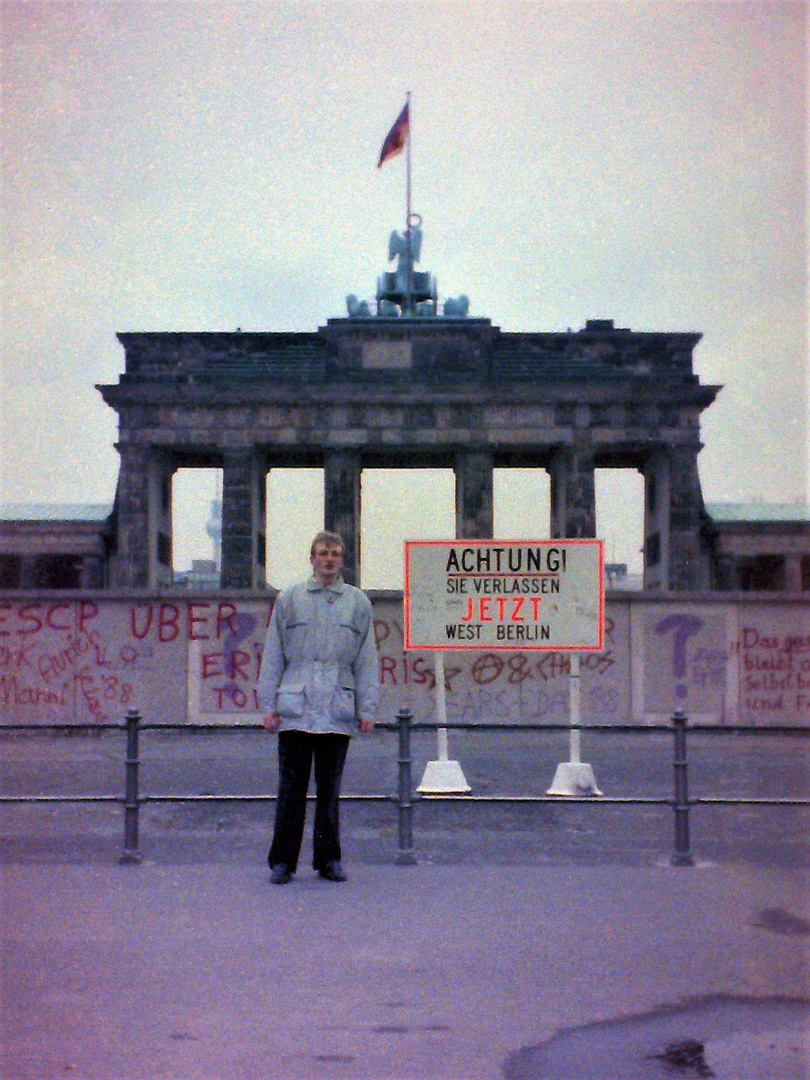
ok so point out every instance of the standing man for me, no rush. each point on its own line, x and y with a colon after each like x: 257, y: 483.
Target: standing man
x: 318, y: 686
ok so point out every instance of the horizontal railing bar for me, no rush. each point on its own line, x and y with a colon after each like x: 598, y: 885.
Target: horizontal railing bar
x: 60, y: 798
x: 253, y: 798
x: 432, y: 725
x: 559, y: 799
x: 738, y: 800
x: 616, y: 729
x: 693, y: 800
x: 743, y: 729
x: 609, y: 799
x: 42, y: 728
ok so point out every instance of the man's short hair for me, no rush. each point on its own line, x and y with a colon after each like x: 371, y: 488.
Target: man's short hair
x: 326, y: 537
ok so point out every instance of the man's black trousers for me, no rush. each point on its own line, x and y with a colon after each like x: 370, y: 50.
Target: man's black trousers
x: 296, y: 752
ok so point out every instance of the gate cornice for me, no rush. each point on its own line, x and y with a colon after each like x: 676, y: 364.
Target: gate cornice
x: 622, y: 391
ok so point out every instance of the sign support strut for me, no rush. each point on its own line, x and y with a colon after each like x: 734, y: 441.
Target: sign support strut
x: 443, y: 776
x: 574, y: 777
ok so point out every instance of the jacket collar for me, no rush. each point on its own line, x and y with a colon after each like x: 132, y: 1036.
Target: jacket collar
x: 336, y: 587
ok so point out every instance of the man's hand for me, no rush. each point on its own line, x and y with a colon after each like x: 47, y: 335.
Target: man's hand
x: 271, y: 721
x: 365, y: 726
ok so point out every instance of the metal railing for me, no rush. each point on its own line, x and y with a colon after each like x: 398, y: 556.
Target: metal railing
x: 405, y: 798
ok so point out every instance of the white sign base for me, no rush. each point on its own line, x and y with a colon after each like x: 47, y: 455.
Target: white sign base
x: 443, y: 778
x: 574, y: 778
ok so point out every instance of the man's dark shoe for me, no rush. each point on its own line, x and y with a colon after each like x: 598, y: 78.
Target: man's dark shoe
x: 280, y: 874
x: 333, y: 871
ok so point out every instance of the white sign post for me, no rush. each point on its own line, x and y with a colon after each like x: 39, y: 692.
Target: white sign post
x: 443, y: 776
x: 491, y: 595
x: 574, y: 777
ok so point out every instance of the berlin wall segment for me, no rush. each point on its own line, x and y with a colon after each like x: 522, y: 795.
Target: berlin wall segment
x: 88, y: 658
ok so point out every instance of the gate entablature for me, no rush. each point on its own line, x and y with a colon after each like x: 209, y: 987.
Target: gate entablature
x: 417, y: 351
x: 405, y: 391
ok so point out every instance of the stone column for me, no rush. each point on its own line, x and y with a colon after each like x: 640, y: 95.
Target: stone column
x: 160, y: 485
x: 573, y: 493
x: 793, y: 573
x: 92, y: 573
x: 136, y: 562
x: 28, y: 572
x: 474, y: 501
x: 243, y: 520
x: 341, y: 490
x: 687, y: 564
x: 726, y: 577
x: 656, y: 521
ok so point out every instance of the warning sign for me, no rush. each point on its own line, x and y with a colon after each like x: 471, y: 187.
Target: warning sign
x: 491, y: 594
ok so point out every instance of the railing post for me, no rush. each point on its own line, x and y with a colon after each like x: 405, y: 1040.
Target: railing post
x: 405, y: 855
x: 682, y: 856
x: 131, y: 855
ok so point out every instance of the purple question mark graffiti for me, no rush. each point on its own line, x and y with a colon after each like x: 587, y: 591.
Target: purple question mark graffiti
x: 682, y: 627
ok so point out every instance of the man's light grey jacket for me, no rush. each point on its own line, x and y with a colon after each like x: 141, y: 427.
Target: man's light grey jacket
x: 319, y: 669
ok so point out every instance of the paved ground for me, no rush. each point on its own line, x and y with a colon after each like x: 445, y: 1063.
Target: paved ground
x: 529, y: 943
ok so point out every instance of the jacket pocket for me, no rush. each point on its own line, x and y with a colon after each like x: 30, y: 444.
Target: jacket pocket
x: 350, y: 641
x: 290, y: 700
x: 295, y: 633
x: 343, y: 707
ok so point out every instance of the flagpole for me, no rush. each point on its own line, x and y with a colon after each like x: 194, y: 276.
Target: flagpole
x: 408, y: 166
x: 408, y: 252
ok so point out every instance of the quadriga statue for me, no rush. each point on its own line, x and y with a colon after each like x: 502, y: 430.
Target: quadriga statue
x: 456, y: 305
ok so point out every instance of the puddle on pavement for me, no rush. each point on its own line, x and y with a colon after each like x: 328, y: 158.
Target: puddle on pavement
x: 715, y: 1038
x: 784, y: 922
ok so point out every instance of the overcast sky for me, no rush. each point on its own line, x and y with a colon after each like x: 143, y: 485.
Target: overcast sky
x: 207, y: 166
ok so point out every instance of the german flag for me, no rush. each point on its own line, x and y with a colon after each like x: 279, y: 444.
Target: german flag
x: 395, y: 139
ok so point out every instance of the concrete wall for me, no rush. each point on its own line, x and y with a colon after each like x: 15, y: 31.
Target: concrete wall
x: 177, y: 658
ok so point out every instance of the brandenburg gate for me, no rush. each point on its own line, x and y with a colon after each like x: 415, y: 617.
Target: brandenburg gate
x: 407, y: 388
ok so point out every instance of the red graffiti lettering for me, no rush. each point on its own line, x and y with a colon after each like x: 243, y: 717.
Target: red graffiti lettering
x: 231, y: 696
x: 225, y: 614
x: 486, y: 669
x: 211, y: 665
x: 169, y: 622
x: 388, y: 666
x: 28, y: 613
x: 234, y: 664
x: 519, y: 670
x: 420, y: 674
x: 49, y: 618
x: 88, y: 609
x: 194, y: 618
x: 138, y: 632
x: 239, y: 665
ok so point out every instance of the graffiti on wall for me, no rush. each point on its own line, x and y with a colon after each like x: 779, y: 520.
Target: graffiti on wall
x: 515, y: 687
x: 191, y: 660
x: 774, y: 667
x: 686, y: 661
x: 89, y: 661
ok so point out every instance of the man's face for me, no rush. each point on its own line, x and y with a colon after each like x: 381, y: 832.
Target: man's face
x: 327, y: 562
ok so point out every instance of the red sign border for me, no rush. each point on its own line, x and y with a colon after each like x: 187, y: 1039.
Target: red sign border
x: 512, y: 647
